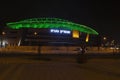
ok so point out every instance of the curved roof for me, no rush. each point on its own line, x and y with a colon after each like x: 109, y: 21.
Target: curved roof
x: 50, y: 23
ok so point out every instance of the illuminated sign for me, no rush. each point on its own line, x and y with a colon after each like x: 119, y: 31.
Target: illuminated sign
x: 59, y: 31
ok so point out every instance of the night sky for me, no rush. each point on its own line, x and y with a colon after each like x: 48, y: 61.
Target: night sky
x: 103, y: 16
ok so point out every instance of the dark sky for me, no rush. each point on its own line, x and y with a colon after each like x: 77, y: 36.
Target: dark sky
x: 103, y: 16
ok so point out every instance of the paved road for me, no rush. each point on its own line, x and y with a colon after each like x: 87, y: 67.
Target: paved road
x: 19, y: 68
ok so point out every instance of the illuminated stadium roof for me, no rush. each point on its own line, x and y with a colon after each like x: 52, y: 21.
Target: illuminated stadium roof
x: 51, y: 23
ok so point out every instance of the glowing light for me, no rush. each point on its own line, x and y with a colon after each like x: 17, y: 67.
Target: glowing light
x: 3, y: 43
x: 75, y: 34
x: 3, y: 33
x: 104, y: 38
x: 54, y: 30
x: 51, y: 23
x: 35, y: 33
x: 87, y: 38
x: 19, y: 42
x: 60, y: 31
x: 64, y: 31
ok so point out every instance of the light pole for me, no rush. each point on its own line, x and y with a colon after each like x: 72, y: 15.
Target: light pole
x: 104, y: 41
x: 2, y: 39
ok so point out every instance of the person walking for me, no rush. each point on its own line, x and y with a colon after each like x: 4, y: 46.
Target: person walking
x: 81, y: 58
x: 83, y: 50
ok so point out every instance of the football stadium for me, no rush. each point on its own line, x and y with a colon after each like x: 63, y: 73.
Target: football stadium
x: 46, y: 32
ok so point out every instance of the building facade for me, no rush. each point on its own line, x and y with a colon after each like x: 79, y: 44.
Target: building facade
x: 45, y: 31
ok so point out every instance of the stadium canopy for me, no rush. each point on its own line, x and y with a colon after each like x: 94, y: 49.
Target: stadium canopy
x: 51, y: 23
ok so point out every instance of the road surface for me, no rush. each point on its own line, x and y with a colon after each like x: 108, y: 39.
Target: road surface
x: 65, y: 68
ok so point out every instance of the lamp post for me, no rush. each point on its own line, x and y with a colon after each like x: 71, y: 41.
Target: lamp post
x: 2, y: 39
x: 104, y: 41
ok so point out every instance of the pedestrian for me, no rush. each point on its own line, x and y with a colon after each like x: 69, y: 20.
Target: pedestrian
x: 83, y: 50
x: 81, y: 58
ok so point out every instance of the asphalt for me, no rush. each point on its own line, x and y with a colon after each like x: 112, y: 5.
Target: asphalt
x: 59, y: 67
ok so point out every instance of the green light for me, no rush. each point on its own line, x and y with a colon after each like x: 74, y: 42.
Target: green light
x: 51, y: 23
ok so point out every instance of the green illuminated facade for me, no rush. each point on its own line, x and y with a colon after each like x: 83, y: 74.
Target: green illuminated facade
x: 51, y: 23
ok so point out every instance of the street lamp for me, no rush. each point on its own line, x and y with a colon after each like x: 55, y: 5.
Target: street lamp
x: 104, y: 41
x: 104, y: 38
x: 3, y: 33
x: 2, y: 39
x: 35, y: 33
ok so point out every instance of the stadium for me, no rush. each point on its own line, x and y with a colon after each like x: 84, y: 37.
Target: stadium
x: 46, y: 32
